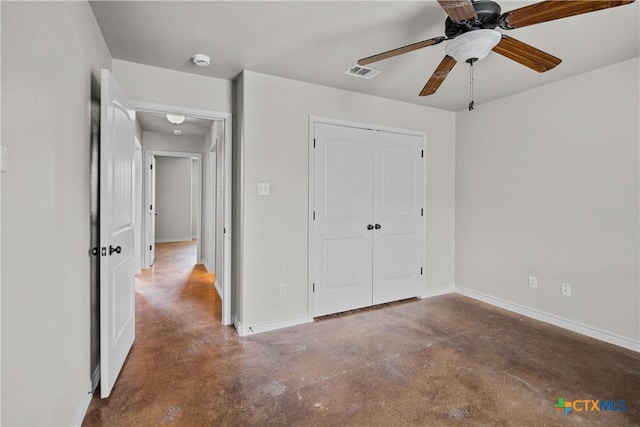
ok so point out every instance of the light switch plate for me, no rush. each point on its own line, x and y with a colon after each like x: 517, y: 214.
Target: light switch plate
x: 263, y: 189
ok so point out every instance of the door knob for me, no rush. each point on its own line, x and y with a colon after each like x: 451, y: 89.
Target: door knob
x: 377, y: 227
x: 117, y: 249
x: 369, y: 227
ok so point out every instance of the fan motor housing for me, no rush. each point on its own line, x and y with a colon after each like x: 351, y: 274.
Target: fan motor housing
x: 488, y: 13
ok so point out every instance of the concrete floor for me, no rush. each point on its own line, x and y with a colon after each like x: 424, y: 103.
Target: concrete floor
x: 446, y: 360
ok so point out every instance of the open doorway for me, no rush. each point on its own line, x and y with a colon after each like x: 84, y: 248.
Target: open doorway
x: 173, y: 202
x: 198, y: 143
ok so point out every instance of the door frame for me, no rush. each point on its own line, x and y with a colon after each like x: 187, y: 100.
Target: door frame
x: 359, y: 125
x: 226, y: 118
x: 200, y: 195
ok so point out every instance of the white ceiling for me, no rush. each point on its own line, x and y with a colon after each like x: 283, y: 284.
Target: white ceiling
x: 156, y: 122
x: 317, y: 41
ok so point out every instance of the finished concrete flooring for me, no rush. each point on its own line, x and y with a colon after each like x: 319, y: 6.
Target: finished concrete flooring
x: 447, y: 360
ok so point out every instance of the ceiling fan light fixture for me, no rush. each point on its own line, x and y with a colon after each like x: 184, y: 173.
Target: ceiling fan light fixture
x: 176, y: 120
x: 473, y: 45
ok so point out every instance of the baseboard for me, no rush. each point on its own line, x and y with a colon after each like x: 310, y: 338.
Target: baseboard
x: 552, y: 319
x: 236, y: 323
x: 435, y: 292
x: 173, y: 239
x: 216, y: 284
x: 95, y: 378
x: 82, y: 407
x: 207, y: 266
x: 269, y: 326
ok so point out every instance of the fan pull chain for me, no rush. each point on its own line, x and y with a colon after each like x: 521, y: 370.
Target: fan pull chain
x: 471, y: 83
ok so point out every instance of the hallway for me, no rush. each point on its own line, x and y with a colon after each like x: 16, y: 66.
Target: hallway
x: 446, y: 360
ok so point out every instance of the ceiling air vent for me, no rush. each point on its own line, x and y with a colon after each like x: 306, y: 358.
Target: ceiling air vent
x: 362, y: 72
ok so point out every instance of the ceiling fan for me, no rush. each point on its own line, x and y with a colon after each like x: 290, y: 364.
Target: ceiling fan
x: 470, y: 30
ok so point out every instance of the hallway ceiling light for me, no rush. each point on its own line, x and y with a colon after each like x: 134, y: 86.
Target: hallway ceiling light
x: 176, y: 120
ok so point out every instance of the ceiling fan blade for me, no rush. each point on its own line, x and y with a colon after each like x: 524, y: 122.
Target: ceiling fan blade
x: 399, y: 51
x: 459, y: 10
x: 526, y: 55
x: 438, y: 76
x: 553, y: 9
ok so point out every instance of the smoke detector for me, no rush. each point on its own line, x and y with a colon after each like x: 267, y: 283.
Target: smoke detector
x: 177, y: 132
x: 201, y: 60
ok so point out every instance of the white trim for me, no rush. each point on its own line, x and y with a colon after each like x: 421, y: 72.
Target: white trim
x: 270, y: 326
x: 173, y: 239
x: 236, y: 323
x: 359, y: 125
x: 95, y: 378
x: 362, y: 125
x: 429, y: 293
x: 226, y: 221
x: 226, y: 118
x: 154, y: 107
x: 552, y: 319
x: 82, y: 407
x: 216, y: 284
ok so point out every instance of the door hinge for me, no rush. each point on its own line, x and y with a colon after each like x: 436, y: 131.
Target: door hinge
x: 150, y: 207
x: 314, y: 287
x: 421, y: 271
x: 224, y: 230
x: 150, y: 248
x: 314, y: 215
x: 422, y: 153
x: 150, y: 166
x: 314, y: 143
x: 422, y: 212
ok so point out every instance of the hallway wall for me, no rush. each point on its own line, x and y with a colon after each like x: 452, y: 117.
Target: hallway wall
x: 52, y: 54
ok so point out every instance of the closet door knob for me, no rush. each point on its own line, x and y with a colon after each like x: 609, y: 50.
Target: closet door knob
x: 369, y: 227
x: 378, y: 227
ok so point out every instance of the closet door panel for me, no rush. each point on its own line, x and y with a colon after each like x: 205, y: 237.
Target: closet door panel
x: 342, y: 252
x: 397, y: 214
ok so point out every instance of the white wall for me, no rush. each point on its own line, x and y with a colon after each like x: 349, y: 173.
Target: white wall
x: 52, y: 53
x: 152, y: 84
x: 164, y: 142
x: 273, y: 147
x: 547, y: 184
x: 173, y: 199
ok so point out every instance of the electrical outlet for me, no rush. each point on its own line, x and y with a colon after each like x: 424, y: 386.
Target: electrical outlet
x: 283, y: 289
x: 533, y: 282
x: 566, y: 289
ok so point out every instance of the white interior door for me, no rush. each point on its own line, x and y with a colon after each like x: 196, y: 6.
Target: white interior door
x: 342, y: 208
x: 117, y: 298
x: 151, y: 210
x: 397, y: 216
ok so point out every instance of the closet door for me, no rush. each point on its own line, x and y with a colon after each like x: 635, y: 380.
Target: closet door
x: 342, y: 256
x: 397, y: 214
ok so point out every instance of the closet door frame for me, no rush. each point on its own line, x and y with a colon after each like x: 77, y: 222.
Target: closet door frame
x: 338, y: 122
